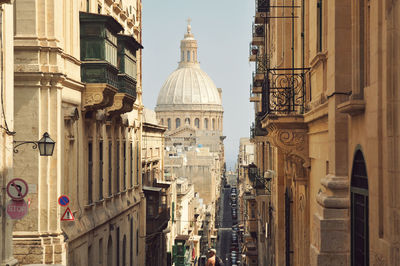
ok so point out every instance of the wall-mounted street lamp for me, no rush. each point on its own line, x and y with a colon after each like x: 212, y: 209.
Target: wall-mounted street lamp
x: 259, y: 181
x: 46, y: 145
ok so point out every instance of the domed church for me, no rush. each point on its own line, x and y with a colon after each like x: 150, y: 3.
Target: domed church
x: 190, y: 105
x: 189, y: 96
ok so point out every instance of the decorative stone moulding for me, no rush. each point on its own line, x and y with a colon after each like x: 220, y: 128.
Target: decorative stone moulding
x: 123, y: 103
x: 123, y: 15
x: 98, y: 96
x: 289, y: 134
x: 352, y: 107
x: 109, y: 2
x: 117, y: 8
x: 130, y: 23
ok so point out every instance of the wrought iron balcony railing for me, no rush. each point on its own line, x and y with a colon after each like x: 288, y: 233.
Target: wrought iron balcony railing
x: 285, y: 91
x: 262, y: 5
x: 262, y: 63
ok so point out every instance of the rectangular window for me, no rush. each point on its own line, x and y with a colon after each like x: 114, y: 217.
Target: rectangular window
x: 124, y: 162
x: 117, y: 255
x: 131, y: 163
x: 117, y: 168
x: 90, y: 255
x: 101, y: 169
x: 87, y: 5
x: 319, y: 26
x: 90, y: 172
x: 137, y: 163
x: 110, y: 168
x: 100, y: 255
x: 137, y: 242
x: 131, y: 243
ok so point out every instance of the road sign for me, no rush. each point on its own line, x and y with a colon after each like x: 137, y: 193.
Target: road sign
x: 16, y: 209
x: 68, y: 216
x: 63, y: 200
x: 17, y: 189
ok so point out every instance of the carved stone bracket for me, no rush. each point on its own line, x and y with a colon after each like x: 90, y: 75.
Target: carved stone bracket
x: 123, y: 103
x: 98, y: 96
x: 289, y: 134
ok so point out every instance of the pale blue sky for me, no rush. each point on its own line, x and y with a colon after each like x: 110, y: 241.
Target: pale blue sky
x: 223, y: 31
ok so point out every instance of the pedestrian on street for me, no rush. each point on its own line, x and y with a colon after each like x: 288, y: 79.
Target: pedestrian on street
x: 211, y: 257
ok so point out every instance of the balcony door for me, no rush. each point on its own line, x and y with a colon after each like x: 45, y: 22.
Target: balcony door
x: 359, y: 212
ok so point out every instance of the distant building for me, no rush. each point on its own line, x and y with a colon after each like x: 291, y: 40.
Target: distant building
x: 189, y: 105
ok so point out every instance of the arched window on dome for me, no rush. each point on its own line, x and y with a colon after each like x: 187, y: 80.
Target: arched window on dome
x: 206, y: 123
x: 188, y: 56
x: 162, y: 121
x: 194, y: 58
x: 169, y: 123
x: 183, y: 56
x: 178, y: 122
x: 187, y: 121
x: 197, y: 122
x: 213, y: 124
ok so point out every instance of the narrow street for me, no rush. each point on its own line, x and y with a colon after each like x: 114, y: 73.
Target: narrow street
x: 225, y: 221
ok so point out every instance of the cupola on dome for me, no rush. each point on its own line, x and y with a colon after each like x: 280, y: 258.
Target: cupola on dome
x: 188, y: 85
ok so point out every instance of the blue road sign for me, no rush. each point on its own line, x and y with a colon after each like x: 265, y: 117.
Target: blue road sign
x: 63, y: 200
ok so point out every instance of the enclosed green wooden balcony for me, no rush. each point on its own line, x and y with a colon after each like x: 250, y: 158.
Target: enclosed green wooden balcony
x: 99, y: 69
x: 127, y: 48
x: 98, y: 36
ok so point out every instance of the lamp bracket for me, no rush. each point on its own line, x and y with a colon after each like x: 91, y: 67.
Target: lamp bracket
x: 34, y: 145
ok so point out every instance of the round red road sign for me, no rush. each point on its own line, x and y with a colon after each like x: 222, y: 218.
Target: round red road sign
x: 17, y: 189
x: 17, y: 209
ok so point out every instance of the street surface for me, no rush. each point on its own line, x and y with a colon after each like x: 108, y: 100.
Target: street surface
x: 225, y: 221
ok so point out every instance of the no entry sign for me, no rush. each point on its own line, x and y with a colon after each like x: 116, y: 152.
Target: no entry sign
x: 17, y: 189
x: 63, y: 200
x: 17, y: 209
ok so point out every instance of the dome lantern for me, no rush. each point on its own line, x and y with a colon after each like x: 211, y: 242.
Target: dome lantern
x: 188, y: 48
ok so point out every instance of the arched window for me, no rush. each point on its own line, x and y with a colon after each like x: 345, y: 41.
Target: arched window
x: 213, y: 124
x: 194, y: 58
x: 162, y: 121
x: 206, y: 123
x: 187, y: 121
x: 197, y: 122
x: 169, y: 123
x: 109, y: 251
x: 188, y: 56
x: 359, y: 211
x: 178, y: 122
x: 182, y: 56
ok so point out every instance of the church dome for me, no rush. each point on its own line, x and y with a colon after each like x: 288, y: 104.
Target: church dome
x: 189, y: 87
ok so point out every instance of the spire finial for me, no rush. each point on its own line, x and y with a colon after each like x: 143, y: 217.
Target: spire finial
x: 189, y: 28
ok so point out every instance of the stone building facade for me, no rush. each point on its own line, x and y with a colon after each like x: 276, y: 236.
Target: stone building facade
x: 7, y: 131
x: 78, y: 77
x: 157, y: 191
x: 326, y: 96
x: 189, y: 105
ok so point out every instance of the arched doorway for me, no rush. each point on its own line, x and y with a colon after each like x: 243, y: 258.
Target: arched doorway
x: 359, y: 212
